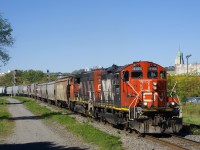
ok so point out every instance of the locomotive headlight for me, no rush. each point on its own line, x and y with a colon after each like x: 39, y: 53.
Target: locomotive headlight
x: 145, y: 103
x: 155, y: 83
x: 172, y: 103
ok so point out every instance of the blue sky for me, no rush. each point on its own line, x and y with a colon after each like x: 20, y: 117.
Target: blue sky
x: 66, y: 35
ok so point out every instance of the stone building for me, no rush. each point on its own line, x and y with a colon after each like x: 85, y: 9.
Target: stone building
x: 181, y: 67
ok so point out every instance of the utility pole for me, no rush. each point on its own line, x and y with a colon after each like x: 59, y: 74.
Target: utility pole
x: 14, y: 77
x: 187, y: 57
x: 48, y: 75
x: 14, y: 81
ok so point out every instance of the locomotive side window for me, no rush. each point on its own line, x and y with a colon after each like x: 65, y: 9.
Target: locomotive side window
x: 162, y: 74
x: 125, y: 76
x: 77, y: 80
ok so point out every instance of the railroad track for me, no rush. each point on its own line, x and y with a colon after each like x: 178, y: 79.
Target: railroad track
x: 175, y: 142
x: 190, y: 143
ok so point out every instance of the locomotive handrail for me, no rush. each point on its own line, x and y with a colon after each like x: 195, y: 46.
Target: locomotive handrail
x: 133, y: 101
x: 173, y: 89
x: 175, y: 92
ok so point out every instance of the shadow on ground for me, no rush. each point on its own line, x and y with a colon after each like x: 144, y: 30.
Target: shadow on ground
x: 11, y: 103
x: 37, y: 146
x: 47, y: 115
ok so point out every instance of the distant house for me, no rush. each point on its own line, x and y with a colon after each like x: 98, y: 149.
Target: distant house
x: 170, y: 69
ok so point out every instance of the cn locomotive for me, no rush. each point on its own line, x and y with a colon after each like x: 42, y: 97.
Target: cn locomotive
x: 133, y: 96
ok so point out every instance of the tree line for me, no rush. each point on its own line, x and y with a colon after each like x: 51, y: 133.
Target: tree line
x: 187, y: 85
x: 28, y: 77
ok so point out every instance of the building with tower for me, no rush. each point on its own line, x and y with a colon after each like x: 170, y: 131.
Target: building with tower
x: 181, y: 67
x: 179, y: 58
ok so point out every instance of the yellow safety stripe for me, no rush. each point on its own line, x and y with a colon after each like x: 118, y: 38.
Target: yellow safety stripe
x: 105, y: 106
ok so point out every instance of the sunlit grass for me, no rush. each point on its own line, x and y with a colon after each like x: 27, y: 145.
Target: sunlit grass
x: 191, y: 113
x: 6, y: 125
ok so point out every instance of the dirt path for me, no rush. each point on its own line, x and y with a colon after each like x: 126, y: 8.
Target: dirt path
x: 31, y: 133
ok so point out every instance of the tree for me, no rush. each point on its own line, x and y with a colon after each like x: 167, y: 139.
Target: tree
x: 6, y: 40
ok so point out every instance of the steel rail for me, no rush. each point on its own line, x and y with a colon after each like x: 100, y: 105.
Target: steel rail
x: 165, y: 143
x: 188, y: 141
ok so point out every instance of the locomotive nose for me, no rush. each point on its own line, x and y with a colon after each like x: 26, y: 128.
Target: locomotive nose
x: 150, y: 99
x: 156, y: 94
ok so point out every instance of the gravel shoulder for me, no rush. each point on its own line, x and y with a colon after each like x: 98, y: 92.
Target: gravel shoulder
x: 31, y: 132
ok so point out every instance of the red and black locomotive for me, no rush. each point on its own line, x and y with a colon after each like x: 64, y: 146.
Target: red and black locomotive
x: 134, y: 95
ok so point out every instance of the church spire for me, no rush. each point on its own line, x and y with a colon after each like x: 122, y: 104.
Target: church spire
x: 179, y: 57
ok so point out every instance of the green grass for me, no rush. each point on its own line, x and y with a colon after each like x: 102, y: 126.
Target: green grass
x: 87, y: 132
x: 6, y: 125
x: 191, y: 113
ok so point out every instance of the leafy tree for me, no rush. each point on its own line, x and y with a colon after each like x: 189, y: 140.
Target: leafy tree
x: 27, y: 77
x: 6, y: 80
x: 32, y: 76
x: 187, y: 85
x: 23, y: 77
x: 6, y: 40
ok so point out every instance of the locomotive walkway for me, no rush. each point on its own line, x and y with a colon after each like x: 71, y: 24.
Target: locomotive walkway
x: 32, y: 133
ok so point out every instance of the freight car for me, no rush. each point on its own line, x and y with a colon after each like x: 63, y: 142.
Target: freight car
x: 9, y: 90
x: 133, y: 96
x: 2, y: 90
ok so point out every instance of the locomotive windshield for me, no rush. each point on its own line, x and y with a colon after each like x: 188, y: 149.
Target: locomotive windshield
x: 152, y: 72
x: 136, y: 74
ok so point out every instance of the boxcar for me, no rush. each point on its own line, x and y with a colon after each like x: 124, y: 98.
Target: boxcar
x: 33, y: 90
x: 9, y: 90
x: 39, y: 91
x: 51, y: 91
x: 44, y: 91
x: 15, y: 90
x: 2, y: 90
x: 20, y: 89
x: 29, y: 90
x: 25, y: 90
x: 62, y: 90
